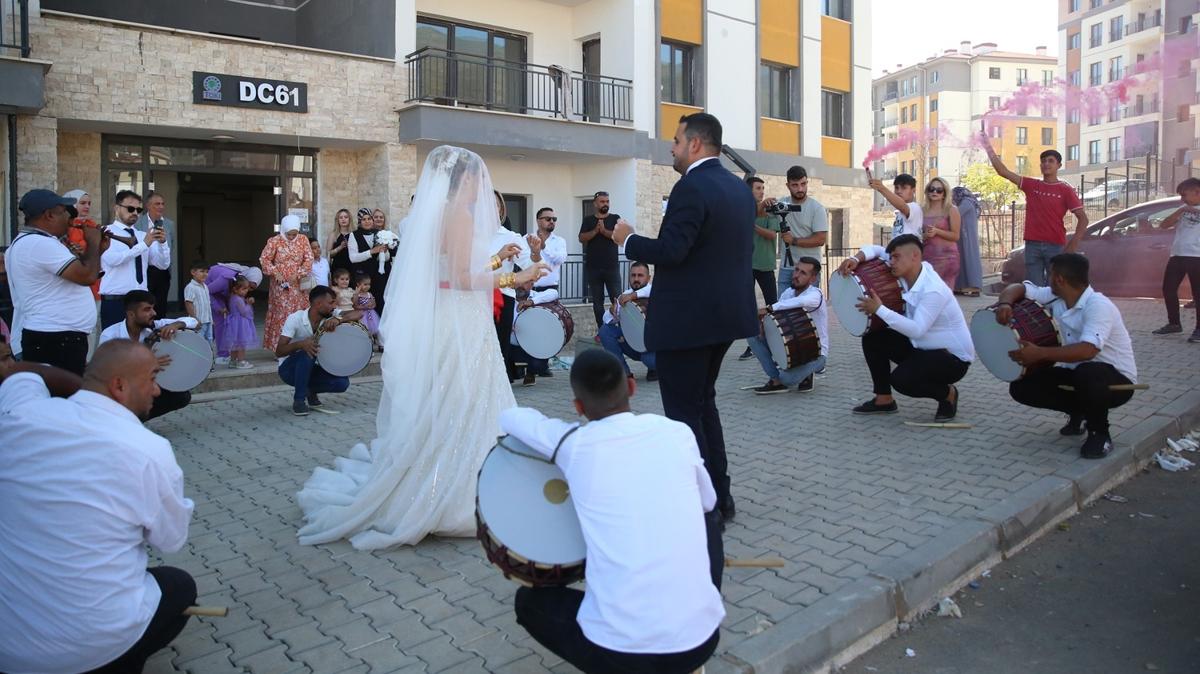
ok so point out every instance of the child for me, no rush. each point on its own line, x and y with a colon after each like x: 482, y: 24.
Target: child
x: 197, y: 301
x: 239, y: 325
x: 320, y: 268
x: 365, y: 302
x: 909, y: 217
x: 1185, y: 256
x: 341, y: 287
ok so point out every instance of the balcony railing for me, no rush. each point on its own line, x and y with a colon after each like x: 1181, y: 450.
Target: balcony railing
x: 14, y: 27
x: 465, y: 80
x: 1139, y: 26
x: 1142, y: 109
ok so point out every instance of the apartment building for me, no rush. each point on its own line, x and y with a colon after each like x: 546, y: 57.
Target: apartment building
x: 1100, y: 42
x: 242, y: 111
x: 952, y: 92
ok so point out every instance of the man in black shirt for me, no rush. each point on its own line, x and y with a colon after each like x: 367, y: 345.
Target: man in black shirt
x: 600, y: 267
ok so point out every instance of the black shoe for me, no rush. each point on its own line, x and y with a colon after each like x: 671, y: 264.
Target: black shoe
x: 651, y: 375
x: 746, y: 355
x: 547, y: 373
x: 1097, y: 445
x: 947, y: 410
x: 728, y: 511
x: 313, y: 400
x: 300, y: 408
x: 807, y: 385
x: 1074, y: 426
x: 529, y: 380
x: 1168, y: 329
x: 769, y: 388
x: 870, y: 407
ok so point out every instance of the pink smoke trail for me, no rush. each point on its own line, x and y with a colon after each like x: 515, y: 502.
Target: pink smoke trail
x: 905, y: 139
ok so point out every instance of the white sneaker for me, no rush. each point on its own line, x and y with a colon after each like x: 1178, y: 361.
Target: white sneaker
x: 222, y: 360
x: 244, y: 365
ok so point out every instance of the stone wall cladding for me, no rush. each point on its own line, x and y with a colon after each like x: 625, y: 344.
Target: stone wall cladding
x: 37, y: 150
x: 79, y: 165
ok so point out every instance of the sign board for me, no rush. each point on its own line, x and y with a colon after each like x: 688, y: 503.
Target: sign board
x: 249, y: 92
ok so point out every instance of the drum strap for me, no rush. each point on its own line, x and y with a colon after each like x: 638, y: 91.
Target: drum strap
x: 561, y: 440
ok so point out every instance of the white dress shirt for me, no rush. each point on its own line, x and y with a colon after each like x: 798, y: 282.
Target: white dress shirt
x: 932, y: 318
x: 1094, y: 319
x: 119, y: 262
x: 642, y: 293
x: 86, y: 488
x: 554, y: 253
x: 699, y: 162
x: 320, y: 272
x: 119, y: 331
x: 537, y: 297
x: 502, y: 237
x: 811, y: 300
x: 297, y: 327
x: 640, y: 489
x: 42, y: 299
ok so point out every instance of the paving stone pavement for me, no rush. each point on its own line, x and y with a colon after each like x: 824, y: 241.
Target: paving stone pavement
x: 833, y: 494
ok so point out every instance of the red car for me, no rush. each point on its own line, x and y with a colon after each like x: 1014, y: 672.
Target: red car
x: 1128, y: 252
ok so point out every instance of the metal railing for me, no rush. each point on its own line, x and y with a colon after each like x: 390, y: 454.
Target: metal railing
x: 1139, y: 26
x: 453, y: 78
x: 14, y: 27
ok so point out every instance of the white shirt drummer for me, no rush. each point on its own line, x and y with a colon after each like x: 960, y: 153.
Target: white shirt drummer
x: 119, y: 331
x: 1094, y: 319
x: 642, y: 293
x: 537, y: 297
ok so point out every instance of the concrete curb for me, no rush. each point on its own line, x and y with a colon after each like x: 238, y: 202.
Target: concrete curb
x: 843, y: 625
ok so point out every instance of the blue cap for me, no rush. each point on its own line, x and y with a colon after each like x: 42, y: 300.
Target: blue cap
x: 36, y: 202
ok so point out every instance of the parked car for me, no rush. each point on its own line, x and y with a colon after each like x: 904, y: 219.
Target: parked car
x: 1127, y: 251
x: 1114, y: 193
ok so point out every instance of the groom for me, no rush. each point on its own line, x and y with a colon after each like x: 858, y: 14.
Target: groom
x: 703, y: 288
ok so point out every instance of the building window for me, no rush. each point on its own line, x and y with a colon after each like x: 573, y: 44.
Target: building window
x: 834, y: 114
x: 1095, y: 74
x: 1114, y: 148
x: 1047, y: 77
x: 1116, y: 28
x: 1116, y: 68
x: 935, y: 77
x: 1096, y: 35
x: 993, y: 102
x: 994, y: 131
x: 933, y: 162
x: 1073, y: 116
x: 933, y: 105
x: 1186, y: 24
x: 675, y: 66
x: 1095, y: 118
x: 1022, y: 135
x: 1094, y: 152
x: 468, y: 73
x: 993, y: 73
x: 775, y: 91
x: 1093, y: 4
x: 1072, y: 153
x: 1022, y: 164
x: 1184, y: 113
x: 904, y: 115
x: 1076, y: 78
x: 1074, y: 40
x: 1114, y: 111
x: 1047, y: 109
x: 1022, y: 76
x: 1073, y: 6
x: 838, y: 9
x: 904, y: 87
x: 1047, y: 136
x: 912, y: 112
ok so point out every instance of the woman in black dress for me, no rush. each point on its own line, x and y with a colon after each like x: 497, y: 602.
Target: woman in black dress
x: 338, y: 244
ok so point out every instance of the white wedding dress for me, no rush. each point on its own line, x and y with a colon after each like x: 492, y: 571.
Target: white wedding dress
x: 443, y: 377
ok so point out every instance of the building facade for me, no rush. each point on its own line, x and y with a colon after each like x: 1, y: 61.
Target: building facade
x: 240, y: 112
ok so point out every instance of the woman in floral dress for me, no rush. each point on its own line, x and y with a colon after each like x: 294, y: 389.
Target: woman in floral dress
x: 287, y: 259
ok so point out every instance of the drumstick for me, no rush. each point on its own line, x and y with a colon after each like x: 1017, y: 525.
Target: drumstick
x: 208, y: 611
x: 1112, y: 387
x: 937, y: 425
x: 759, y: 563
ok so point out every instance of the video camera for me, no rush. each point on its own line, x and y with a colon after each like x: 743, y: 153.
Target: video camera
x: 780, y: 208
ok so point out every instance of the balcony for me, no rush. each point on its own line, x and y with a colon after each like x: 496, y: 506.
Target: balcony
x: 1139, y: 109
x: 1144, y: 23
x: 461, y: 80
x: 24, y: 79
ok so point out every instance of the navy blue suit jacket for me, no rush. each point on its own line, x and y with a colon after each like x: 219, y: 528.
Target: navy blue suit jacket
x: 703, y: 286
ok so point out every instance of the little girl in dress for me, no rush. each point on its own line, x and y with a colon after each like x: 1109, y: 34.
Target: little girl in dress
x: 239, y: 325
x: 364, y: 301
x: 341, y: 286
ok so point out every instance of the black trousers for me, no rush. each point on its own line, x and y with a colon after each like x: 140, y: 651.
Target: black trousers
x: 597, y: 281
x: 169, y: 401
x: 178, y: 593
x: 766, y: 283
x: 504, y: 334
x: 1179, y: 266
x: 158, y: 282
x: 919, y: 373
x: 65, y: 349
x: 687, y: 380
x: 112, y: 310
x: 1091, y: 398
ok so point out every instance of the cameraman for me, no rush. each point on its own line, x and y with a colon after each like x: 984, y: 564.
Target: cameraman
x: 806, y: 231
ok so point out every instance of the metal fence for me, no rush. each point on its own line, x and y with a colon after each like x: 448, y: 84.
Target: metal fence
x: 14, y: 27
x: 453, y: 78
x: 1116, y: 186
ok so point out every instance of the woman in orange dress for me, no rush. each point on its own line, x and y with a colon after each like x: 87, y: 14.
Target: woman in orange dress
x: 287, y: 259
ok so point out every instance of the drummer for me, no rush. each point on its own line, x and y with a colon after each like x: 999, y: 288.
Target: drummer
x: 297, y: 350
x: 610, y: 335
x: 803, y: 294
x: 929, y: 342
x: 1096, y: 353
x: 141, y: 322
x: 654, y: 558
x: 528, y: 296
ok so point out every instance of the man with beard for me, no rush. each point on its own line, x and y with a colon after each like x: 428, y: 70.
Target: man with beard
x: 611, y: 334
x: 142, y: 321
x: 806, y: 231
x: 803, y: 294
x: 601, y: 270
x: 545, y: 246
x: 297, y: 350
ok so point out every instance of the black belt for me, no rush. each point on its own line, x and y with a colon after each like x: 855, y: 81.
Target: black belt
x: 553, y: 287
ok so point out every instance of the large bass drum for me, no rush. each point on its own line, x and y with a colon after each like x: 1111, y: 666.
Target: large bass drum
x: 345, y: 351
x: 792, y: 337
x: 191, y: 361
x: 1030, y: 322
x: 633, y: 323
x: 544, y: 329
x: 845, y: 292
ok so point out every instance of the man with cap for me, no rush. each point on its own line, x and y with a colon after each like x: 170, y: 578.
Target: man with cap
x: 53, y: 313
x: 127, y: 267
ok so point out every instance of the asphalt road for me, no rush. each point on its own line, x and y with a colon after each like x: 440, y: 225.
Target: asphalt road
x: 1114, y: 589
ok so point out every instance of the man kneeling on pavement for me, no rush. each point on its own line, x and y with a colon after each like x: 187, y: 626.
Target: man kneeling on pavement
x: 297, y: 350
x: 141, y: 322
x: 612, y: 336
x: 803, y: 294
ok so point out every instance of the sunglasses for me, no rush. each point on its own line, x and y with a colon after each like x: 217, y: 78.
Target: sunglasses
x: 935, y: 190
x: 549, y: 218
x: 132, y: 209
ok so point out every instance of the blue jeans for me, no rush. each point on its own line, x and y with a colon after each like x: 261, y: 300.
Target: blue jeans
x: 614, y: 342
x: 790, y: 377
x: 301, y: 371
x: 206, y: 332
x: 1037, y: 261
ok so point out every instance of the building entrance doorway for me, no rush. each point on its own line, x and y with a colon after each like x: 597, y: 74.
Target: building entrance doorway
x: 222, y: 218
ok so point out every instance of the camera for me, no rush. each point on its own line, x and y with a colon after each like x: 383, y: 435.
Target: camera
x: 780, y: 208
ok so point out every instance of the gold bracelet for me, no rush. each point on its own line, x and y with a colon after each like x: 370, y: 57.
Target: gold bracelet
x: 508, y: 279
x: 496, y: 262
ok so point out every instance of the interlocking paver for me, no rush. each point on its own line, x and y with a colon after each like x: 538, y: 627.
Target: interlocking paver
x: 831, y: 493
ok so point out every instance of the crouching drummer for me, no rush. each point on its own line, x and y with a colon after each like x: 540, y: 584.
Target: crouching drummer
x: 929, y: 342
x: 612, y: 337
x: 527, y: 297
x: 1096, y: 353
x: 141, y: 322
x: 297, y: 350
x: 654, y: 557
x: 803, y: 294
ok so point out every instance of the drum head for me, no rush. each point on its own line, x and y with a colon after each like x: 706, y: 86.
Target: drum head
x: 527, y: 507
x: 191, y: 361
x: 993, y: 342
x: 633, y: 326
x: 345, y: 351
x: 540, y: 332
x: 844, y: 296
x: 774, y: 338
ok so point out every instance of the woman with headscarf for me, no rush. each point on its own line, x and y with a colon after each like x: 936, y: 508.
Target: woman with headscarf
x: 220, y: 280
x: 337, y: 246
x: 287, y: 259
x: 970, y: 271
x: 364, y: 254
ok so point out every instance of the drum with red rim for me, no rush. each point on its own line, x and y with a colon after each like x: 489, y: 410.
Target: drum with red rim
x: 993, y: 342
x: 792, y: 337
x: 544, y: 329
x: 845, y: 292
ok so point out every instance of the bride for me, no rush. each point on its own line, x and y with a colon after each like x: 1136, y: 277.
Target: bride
x: 444, y: 383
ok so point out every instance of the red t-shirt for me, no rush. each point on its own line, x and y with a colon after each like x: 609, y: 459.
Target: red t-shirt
x: 1045, y: 206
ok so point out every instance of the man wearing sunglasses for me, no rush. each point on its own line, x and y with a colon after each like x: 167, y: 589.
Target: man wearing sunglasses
x: 548, y: 247
x: 127, y: 267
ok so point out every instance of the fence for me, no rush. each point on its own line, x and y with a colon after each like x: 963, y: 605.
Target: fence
x: 14, y: 27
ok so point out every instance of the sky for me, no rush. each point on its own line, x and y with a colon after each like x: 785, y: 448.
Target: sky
x: 910, y: 31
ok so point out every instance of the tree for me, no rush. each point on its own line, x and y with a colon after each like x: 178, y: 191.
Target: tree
x: 993, y: 190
